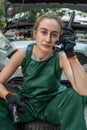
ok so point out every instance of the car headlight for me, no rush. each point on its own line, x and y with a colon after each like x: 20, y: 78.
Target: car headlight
x: 4, y: 43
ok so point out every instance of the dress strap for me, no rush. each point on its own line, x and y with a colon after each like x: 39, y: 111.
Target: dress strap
x: 29, y: 49
x: 27, y: 58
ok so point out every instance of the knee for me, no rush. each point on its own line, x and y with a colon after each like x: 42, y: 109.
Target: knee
x: 75, y: 96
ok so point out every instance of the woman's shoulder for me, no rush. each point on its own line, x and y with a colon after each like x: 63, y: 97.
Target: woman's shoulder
x: 18, y: 56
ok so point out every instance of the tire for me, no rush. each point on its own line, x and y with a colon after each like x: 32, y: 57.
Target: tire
x: 36, y: 125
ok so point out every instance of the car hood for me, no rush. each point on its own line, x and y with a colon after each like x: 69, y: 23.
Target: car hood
x: 12, y: 7
x: 81, y: 46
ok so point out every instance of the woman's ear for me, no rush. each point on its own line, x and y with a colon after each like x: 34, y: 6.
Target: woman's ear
x: 61, y: 32
x: 34, y: 34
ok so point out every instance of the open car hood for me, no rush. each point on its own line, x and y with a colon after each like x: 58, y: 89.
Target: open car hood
x: 12, y: 7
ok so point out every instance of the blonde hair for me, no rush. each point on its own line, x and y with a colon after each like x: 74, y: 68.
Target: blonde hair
x: 49, y: 16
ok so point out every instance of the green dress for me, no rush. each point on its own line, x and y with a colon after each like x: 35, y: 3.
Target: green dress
x: 45, y: 98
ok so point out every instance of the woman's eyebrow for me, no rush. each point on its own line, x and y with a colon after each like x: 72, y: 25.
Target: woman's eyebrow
x: 47, y: 30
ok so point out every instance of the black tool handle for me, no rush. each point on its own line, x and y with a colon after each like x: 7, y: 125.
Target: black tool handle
x: 57, y: 47
x: 15, y: 116
x: 71, y: 19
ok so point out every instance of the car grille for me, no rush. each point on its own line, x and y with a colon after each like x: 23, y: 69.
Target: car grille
x: 82, y: 58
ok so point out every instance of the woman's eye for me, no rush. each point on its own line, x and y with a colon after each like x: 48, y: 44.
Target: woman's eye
x: 44, y: 32
x: 54, y: 35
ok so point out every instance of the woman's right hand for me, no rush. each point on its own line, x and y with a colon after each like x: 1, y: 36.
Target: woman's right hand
x: 14, y: 100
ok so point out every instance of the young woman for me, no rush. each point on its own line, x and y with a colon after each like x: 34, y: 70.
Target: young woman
x: 44, y: 97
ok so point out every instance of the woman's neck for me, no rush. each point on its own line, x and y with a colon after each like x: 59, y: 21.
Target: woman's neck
x: 41, y: 55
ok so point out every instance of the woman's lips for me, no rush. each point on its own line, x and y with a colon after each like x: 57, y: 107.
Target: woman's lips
x: 46, y: 46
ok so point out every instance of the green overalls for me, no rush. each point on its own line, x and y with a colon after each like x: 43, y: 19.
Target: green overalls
x: 45, y: 98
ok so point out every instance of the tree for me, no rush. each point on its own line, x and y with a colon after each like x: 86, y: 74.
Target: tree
x: 2, y: 22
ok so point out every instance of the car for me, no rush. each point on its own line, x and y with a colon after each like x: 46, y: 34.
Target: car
x: 18, y: 31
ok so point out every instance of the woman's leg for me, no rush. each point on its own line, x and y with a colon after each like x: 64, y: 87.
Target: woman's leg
x: 5, y: 118
x: 67, y: 108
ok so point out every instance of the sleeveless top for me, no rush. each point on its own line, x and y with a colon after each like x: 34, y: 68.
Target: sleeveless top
x: 41, y: 79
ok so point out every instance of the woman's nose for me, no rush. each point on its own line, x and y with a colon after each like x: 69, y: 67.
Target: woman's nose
x: 48, y: 38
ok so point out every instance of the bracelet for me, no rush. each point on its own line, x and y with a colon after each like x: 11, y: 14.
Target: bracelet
x: 5, y: 95
x: 71, y: 58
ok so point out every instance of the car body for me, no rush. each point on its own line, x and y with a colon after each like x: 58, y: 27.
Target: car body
x: 15, y: 41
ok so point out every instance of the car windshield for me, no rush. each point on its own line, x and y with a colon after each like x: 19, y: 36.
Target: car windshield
x: 79, y: 24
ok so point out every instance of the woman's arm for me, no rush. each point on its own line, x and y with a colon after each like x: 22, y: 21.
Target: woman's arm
x: 65, y: 65
x: 75, y: 73
x: 80, y: 76
x: 9, y: 69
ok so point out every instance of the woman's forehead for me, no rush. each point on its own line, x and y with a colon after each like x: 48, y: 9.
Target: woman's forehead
x: 46, y: 23
x: 49, y: 20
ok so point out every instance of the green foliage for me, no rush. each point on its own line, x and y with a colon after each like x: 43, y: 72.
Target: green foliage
x: 32, y: 15
x: 2, y: 22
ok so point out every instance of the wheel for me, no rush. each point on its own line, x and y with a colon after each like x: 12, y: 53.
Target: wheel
x: 36, y: 125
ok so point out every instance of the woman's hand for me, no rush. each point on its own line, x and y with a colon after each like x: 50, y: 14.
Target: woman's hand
x: 14, y: 100
x: 66, y: 42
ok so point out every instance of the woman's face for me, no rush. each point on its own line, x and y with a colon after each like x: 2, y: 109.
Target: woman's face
x: 47, y: 33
